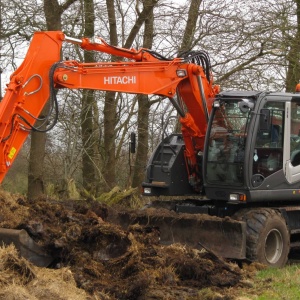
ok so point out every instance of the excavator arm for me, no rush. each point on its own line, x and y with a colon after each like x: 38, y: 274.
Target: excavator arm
x: 26, y: 95
x: 141, y: 71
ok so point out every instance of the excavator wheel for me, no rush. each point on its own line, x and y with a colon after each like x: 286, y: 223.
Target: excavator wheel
x: 268, y: 239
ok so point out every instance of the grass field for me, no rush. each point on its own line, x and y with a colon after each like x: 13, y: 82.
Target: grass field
x: 274, y: 284
x: 261, y: 283
x: 279, y: 283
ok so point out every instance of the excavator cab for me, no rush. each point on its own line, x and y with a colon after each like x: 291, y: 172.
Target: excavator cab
x: 252, y: 147
x: 226, y: 142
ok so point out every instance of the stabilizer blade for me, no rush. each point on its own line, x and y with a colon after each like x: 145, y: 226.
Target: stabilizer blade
x: 224, y: 236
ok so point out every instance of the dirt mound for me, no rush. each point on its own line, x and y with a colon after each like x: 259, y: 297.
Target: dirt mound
x: 102, y: 260
x: 20, y: 280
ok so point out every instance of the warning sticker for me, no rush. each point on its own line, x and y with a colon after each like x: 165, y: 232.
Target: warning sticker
x: 12, y: 152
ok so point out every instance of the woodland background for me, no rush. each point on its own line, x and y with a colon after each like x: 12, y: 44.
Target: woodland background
x: 253, y: 45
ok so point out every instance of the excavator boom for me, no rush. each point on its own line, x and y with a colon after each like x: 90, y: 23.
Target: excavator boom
x: 26, y: 95
x: 32, y: 85
x: 143, y: 71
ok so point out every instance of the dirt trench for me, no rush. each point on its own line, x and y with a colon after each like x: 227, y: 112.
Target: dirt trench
x: 102, y: 261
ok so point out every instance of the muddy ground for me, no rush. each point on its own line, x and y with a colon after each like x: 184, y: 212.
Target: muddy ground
x: 95, y: 259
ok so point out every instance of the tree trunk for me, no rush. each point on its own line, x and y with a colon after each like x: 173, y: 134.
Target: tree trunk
x: 88, y: 169
x: 110, y: 108
x: 142, y: 147
x: 143, y: 111
x: 38, y: 139
x: 53, y: 11
x: 293, y: 57
x: 110, y: 121
x: 87, y: 124
x: 36, y: 162
x: 190, y: 26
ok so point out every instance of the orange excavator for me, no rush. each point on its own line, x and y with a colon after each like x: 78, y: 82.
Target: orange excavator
x: 234, y: 165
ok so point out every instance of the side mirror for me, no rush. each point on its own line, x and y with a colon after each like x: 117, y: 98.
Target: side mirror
x: 245, y: 105
x: 265, y: 119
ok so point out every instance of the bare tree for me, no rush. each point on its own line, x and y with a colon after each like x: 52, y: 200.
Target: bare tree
x: 88, y: 168
x: 143, y: 110
x: 110, y: 120
x: 53, y: 11
x: 293, y: 57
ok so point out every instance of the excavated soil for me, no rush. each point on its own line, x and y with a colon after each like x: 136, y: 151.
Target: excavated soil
x: 96, y: 259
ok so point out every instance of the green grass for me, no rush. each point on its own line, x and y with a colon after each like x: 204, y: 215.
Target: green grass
x: 275, y: 284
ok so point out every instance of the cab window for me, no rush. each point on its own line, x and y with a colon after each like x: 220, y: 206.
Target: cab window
x: 295, y: 134
x: 268, y: 151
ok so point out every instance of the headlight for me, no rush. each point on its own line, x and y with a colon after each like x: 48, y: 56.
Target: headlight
x: 216, y: 104
x: 233, y: 197
x: 147, y: 190
x: 237, y: 197
x: 181, y: 73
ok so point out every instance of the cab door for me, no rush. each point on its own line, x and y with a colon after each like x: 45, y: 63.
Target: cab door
x: 268, y: 148
x: 292, y: 141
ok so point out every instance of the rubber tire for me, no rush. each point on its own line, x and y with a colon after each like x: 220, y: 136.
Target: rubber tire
x: 268, y: 238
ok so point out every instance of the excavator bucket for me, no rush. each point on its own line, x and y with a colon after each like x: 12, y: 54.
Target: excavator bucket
x: 224, y: 237
x: 26, y: 246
